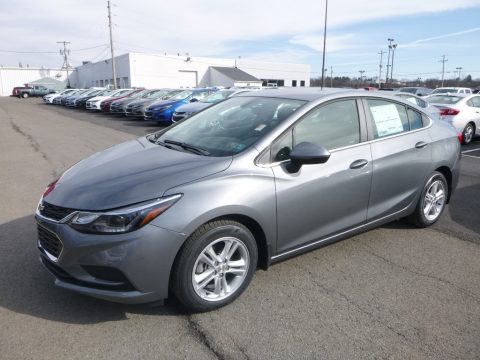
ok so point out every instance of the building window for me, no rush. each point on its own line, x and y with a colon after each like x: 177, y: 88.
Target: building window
x: 294, y: 83
x: 125, y: 83
x: 302, y: 82
x: 101, y: 83
x: 273, y: 82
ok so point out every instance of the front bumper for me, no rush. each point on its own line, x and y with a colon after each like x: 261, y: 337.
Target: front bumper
x: 128, y: 268
x: 164, y: 116
x: 92, y: 105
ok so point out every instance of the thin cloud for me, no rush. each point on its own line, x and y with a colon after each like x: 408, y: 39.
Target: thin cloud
x: 426, y: 40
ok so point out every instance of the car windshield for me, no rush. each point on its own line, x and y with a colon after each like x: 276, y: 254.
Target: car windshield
x: 408, y: 90
x: 444, y: 99
x: 218, y: 96
x: 138, y: 94
x: 103, y: 93
x: 153, y: 94
x: 444, y: 91
x: 181, y: 95
x: 231, y: 126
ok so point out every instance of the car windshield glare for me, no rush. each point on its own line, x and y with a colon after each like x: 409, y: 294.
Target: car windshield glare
x: 218, y: 96
x: 231, y: 126
x: 444, y: 99
x: 182, y: 95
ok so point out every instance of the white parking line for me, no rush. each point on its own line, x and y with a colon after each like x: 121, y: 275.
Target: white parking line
x: 467, y: 153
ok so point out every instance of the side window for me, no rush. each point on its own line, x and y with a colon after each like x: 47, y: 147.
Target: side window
x: 281, y: 148
x: 475, y: 101
x: 415, y: 119
x: 388, y: 118
x: 332, y: 126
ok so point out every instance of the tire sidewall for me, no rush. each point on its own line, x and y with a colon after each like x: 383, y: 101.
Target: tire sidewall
x: 186, y: 294
x: 464, y: 132
x: 434, y: 177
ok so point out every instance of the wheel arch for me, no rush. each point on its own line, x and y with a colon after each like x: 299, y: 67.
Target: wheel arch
x: 445, y: 171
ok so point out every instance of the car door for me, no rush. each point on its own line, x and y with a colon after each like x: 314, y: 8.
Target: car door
x: 401, y: 155
x: 323, y: 199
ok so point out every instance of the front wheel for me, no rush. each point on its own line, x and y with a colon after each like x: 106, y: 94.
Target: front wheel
x: 25, y: 95
x: 432, y: 201
x: 214, y: 266
x: 468, y: 133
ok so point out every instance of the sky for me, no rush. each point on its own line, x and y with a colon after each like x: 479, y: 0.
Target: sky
x: 270, y: 30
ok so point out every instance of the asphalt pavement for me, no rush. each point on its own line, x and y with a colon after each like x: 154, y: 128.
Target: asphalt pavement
x: 395, y: 292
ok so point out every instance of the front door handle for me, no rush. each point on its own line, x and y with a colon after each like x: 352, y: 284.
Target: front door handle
x: 357, y: 164
x: 421, y: 144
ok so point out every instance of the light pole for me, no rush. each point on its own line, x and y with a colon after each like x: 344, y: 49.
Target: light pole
x: 394, y: 46
x: 324, y: 43
x: 459, y: 72
x: 331, y: 76
x: 388, y: 62
x: 380, y: 69
x: 361, y: 76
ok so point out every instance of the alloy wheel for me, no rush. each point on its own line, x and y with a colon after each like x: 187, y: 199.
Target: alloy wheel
x: 434, y: 200
x: 220, y: 269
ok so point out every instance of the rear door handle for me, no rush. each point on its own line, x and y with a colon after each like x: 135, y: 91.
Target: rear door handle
x: 357, y: 164
x: 421, y: 144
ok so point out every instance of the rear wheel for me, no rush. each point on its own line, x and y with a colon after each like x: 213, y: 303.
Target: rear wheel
x: 25, y: 95
x: 432, y: 201
x: 468, y: 133
x: 214, y: 266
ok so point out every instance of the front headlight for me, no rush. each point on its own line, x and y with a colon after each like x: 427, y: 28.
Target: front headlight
x: 122, y: 220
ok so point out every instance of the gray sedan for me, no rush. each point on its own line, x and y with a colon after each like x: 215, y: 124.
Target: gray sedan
x: 193, y: 210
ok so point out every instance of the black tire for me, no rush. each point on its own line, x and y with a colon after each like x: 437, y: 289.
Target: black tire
x: 25, y: 95
x: 468, y: 134
x: 181, y: 284
x: 418, y: 218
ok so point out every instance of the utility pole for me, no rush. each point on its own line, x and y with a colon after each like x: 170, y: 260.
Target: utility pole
x: 443, y: 67
x: 388, y: 62
x: 331, y: 76
x: 65, y: 54
x: 380, y: 69
x: 394, y: 46
x: 361, y: 75
x: 459, y: 72
x: 111, y: 46
x: 324, y: 44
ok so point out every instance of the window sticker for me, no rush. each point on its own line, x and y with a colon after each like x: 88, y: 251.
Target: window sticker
x: 387, y: 119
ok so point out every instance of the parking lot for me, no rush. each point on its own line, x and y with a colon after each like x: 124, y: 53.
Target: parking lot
x: 393, y: 292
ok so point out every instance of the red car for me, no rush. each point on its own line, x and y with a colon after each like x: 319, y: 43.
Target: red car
x: 105, y: 104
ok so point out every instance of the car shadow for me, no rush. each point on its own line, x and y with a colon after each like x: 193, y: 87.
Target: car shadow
x: 27, y: 288
x: 464, y: 207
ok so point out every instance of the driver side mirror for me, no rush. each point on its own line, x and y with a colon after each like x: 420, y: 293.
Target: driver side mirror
x: 307, y: 153
x: 194, y: 100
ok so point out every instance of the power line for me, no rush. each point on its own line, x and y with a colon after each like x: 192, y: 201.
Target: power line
x: 65, y: 54
x: 443, y: 66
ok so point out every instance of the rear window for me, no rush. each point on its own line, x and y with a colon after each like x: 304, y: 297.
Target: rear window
x: 444, y: 91
x: 444, y: 99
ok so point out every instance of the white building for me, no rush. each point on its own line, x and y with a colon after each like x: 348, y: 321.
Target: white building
x: 165, y: 71
x: 171, y: 71
x: 11, y: 77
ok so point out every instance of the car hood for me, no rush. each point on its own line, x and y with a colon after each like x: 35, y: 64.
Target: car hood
x: 141, y: 102
x: 129, y: 173
x: 99, y: 98
x: 193, y: 107
x: 161, y: 103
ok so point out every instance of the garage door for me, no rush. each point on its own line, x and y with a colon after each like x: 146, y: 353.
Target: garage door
x: 187, y: 78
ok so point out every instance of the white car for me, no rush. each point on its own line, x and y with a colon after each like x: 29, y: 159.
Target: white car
x: 94, y: 103
x: 432, y: 110
x: 48, y: 99
x: 460, y: 110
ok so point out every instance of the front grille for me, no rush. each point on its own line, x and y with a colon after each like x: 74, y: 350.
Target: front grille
x: 49, y: 241
x: 54, y: 212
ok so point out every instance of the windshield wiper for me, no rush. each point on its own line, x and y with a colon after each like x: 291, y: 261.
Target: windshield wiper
x: 188, y: 147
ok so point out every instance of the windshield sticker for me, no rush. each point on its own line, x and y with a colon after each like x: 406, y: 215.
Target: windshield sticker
x: 260, y: 127
x: 387, y: 119
x: 237, y: 147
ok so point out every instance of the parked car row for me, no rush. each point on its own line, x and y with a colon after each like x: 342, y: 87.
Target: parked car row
x: 161, y: 105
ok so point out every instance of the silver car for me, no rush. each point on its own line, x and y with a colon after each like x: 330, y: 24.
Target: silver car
x: 193, y: 210
x: 461, y: 111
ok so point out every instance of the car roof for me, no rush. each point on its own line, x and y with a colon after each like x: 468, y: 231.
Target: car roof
x: 305, y: 94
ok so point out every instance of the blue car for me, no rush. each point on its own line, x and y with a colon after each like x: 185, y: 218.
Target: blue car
x: 162, y: 111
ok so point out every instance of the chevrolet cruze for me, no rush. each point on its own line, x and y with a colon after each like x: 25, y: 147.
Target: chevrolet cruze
x: 193, y: 210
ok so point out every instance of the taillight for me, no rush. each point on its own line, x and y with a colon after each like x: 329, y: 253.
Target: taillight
x: 449, y: 111
x: 460, y: 137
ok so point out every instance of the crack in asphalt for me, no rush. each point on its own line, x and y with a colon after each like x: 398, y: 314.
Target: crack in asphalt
x: 204, y: 339
x: 330, y: 291
x: 31, y: 140
x: 392, y: 263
